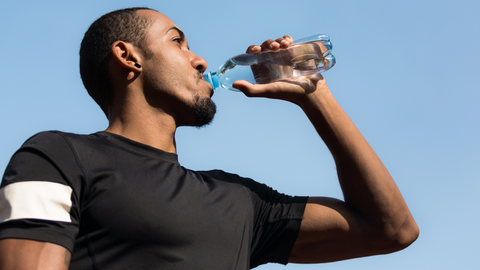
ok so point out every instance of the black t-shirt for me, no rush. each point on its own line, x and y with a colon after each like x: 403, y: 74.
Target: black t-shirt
x: 119, y: 204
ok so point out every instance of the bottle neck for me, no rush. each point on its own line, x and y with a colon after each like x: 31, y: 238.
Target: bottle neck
x: 212, y: 78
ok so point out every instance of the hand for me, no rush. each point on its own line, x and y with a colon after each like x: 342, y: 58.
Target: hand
x: 292, y: 89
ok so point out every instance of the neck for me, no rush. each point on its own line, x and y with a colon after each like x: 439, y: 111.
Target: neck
x: 145, y: 125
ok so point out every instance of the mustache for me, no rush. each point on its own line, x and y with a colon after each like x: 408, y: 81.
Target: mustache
x: 199, y: 76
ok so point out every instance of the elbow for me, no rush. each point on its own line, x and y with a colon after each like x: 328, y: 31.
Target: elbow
x: 401, y: 237
x: 406, y: 236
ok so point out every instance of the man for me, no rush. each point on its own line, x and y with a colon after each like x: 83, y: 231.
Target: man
x: 118, y: 199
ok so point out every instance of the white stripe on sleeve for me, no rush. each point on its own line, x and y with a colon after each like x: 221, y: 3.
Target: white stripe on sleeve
x: 35, y: 200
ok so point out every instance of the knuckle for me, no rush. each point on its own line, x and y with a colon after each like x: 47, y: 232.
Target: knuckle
x: 268, y: 42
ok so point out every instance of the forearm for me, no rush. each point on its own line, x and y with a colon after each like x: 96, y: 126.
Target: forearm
x: 368, y: 187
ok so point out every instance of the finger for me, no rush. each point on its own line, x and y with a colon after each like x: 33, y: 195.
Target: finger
x: 289, y: 38
x: 270, y: 45
x: 284, y: 41
x: 241, y: 85
x: 252, y: 90
x: 254, y: 49
x: 287, y: 89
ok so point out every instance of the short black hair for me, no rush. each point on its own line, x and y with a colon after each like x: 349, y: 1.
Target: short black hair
x: 95, y: 50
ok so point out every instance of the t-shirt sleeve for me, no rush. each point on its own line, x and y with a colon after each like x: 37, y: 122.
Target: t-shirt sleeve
x: 40, y: 192
x: 277, y: 223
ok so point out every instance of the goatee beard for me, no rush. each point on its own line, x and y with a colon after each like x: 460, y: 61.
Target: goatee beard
x: 204, y: 111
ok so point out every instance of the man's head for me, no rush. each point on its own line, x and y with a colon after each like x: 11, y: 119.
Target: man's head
x: 170, y: 74
x: 172, y: 78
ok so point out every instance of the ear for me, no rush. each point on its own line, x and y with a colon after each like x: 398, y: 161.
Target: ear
x: 126, y: 55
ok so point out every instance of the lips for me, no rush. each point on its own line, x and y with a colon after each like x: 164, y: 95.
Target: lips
x: 199, y: 77
x: 211, y: 89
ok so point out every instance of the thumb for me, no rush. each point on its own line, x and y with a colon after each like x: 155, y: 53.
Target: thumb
x: 242, y: 85
x: 252, y: 90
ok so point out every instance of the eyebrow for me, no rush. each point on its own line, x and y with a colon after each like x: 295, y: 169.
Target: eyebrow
x: 180, y: 32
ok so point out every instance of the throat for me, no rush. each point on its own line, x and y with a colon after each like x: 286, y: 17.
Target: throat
x: 157, y: 134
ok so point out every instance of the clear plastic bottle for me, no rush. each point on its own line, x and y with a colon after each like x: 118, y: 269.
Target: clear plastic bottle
x: 306, y: 56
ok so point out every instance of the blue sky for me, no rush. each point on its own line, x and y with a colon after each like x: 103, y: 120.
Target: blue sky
x: 406, y: 74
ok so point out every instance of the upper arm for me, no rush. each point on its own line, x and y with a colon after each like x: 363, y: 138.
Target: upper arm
x: 332, y: 231
x: 38, y: 201
x: 17, y: 254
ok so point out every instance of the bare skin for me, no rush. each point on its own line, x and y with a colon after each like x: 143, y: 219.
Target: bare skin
x: 151, y: 103
x: 155, y: 99
x: 19, y: 254
x: 373, y: 218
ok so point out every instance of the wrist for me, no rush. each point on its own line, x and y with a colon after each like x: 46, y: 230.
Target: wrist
x: 315, y: 99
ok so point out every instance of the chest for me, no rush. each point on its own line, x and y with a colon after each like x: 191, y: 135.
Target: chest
x: 166, y: 204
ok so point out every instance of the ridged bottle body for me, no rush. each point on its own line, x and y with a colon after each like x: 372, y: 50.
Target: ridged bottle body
x: 308, y: 56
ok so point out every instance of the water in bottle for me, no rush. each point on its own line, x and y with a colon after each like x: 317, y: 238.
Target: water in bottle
x: 305, y: 57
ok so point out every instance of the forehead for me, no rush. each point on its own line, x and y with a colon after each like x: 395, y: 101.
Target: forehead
x: 160, y: 22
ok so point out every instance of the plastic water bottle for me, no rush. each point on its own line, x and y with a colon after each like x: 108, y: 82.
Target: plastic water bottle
x: 306, y: 56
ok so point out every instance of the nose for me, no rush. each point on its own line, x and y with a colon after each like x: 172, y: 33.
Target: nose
x: 198, y: 63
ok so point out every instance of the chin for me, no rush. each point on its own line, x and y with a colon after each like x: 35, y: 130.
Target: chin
x: 204, y: 111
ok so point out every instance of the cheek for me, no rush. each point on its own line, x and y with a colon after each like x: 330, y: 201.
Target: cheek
x: 172, y: 75
x: 159, y: 77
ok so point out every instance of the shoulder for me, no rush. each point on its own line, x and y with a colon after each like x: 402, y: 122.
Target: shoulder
x: 258, y: 191
x: 55, y: 138
x: 45, y: 155
x: 231, y: 178
x: 56, y: 145
x: 44, y: 138
x: 62, y: 142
